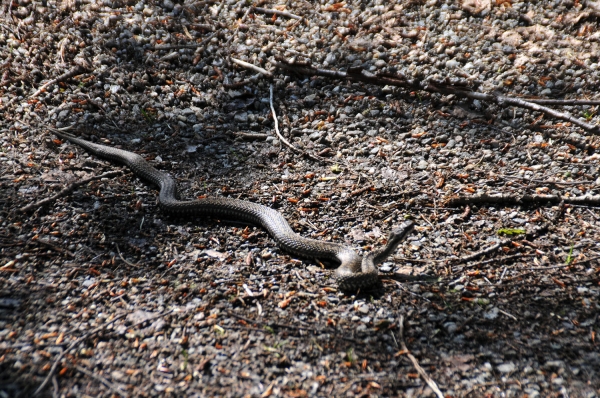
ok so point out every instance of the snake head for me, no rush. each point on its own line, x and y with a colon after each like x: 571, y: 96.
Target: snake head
x: 400, y: 233
x: 396, y: 236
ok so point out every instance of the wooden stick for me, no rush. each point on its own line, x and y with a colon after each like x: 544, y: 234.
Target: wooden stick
x: 111, y: 386
x: 415, y: 363
x: 432, y: 85
x: 286, y: 142
x: 65, y: 191
x: 251, y: 67
x: 337, y: 332
x: 123, y: 258
x: 282, y: 138
x: 73, y: 72
x: 485, y: 251
x: 69, y: 348
x: 567, y: 102
x: 269, y: 11
x: 592, y: 200
x: 250, y: 136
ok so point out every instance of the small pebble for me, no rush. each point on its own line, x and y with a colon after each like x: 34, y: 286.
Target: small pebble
x: 506, y: 367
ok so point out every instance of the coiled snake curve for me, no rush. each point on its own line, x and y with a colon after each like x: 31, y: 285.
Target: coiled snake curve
x: 355, y: 272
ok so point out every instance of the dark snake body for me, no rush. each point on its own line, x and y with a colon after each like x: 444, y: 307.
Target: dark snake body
x: 354, y: 272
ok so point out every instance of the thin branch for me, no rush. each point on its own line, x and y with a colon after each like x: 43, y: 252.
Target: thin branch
x: 52, y: 246
x: 362, y: 190
x: 591, y: 200
x: 282, y: 138
x: 272, y: 324
x: 483, y: 252
x: 250, y: 136
x: 202, y: 26
x: 508, y: 315
x: 178, y: 46
x: 242, y: 83
x: 125, y: 261
x: 535, y: 232
x: 73, y: 72
x: 431, y: 85
x: 415, y: 363
x: 572, y: 264
x: 269, y: 11
x: 55, y: 384
x: 500, y: 260
x: 250, y: 66
x: 161, y: 315
x: 70, y: 347
x: 564, y: 102
x: 237, y: 28
x: 546, y: 182
x: 286, y: 142
x: 175, y: 46
x: 337, y: 333
x: 547, y: 268
x: 68, y: 189
x: 504, y: 101
x: 97, y: 377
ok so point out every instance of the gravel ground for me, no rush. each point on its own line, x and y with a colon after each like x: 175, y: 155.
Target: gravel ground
x: 103, y: 295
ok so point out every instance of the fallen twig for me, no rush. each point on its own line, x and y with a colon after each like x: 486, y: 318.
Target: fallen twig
x: 432, y: 85
x: 179, y: 46
x: 65, y: 191
x: 530, y: 235
x: 161, y: 315
x: 362, y: 190
x: 242, y: 83
x: 591, y: 200
x: 483, y: 252
x: 251, y: 136
x: 286, y: 142
x: 574, y: 263
x: 269, y: 11
x: 272, y: 324
x: 52, y: 246
x: 252, y: 67
x: 123, y: 258
x: 55, y: 385
x: 175, y: 46
x: 546, y: 182
x: 73, y: 72
x: 564, y: 102
x: 70, y: 347
x: 111, y: 386
x: 508, y: 315
x: 405, y: 351
x: 500, y: 260
x: 203, y: 26
x: 504, y: 100
x: 338, y: 334
x: 282, y: 138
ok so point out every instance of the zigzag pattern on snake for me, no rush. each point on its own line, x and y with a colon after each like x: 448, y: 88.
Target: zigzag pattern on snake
x: 355, y: 271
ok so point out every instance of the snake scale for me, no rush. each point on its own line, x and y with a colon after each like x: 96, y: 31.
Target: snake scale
x: 355, y: 271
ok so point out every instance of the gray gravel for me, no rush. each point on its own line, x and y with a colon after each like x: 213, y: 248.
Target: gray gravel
x: 209, y: 308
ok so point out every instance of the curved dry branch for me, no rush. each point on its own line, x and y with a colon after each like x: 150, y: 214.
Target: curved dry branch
x: 444, y: 87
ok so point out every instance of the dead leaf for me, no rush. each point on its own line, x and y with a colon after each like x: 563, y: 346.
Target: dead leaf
x: 284, y: 303
x: 215, y: 254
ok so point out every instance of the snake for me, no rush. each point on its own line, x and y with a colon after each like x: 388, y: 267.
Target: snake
x: 354, y: 272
